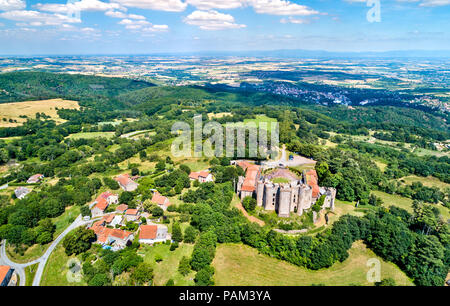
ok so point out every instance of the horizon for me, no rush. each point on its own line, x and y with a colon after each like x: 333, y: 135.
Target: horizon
x: 61, y: 27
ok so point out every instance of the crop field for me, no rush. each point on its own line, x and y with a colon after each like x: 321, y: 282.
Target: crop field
x: 91, y: 135
x: 15, y: 110
x: 241, y: 265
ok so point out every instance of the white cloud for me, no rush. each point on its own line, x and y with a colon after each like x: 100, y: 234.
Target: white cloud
x: 82, y: 5
x: 11, y: 5
x: 212, y: 20
x: 157, y: 5
x: 281, y: 7
x: 217, y: 4
x: 295, y: 20
x: 35, y: 18
x: 435, y: 2
x: 143, y: 26
x: 118, y: 14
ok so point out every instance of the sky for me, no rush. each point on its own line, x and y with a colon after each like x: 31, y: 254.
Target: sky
x: 60, y: 27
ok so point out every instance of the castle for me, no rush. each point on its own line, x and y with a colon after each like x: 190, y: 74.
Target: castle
x: 282, y: 191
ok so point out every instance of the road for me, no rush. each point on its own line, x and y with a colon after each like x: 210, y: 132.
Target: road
x: 20, y: 268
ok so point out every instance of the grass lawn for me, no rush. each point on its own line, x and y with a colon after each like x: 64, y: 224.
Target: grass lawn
x: 259, y: 119
x: 55, y: 271
x: 91, y: 135
x: 67, y: 218
x: 168, y: 267
x: 241, y: 265
x: 429, y: 181
x: 405, y: 203
x: 280, y: 180
x: 30, y: 272
x: 32, y: 253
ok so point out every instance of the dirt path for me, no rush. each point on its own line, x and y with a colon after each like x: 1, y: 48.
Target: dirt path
x: 250, y: 218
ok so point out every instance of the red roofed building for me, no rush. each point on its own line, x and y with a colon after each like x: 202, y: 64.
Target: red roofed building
x: 5, y: 275
x: 132, y: 215
x: 35, y: 179
x: 313, y: 181
x: 160, y: 200
x: 247, y: 185
x: 121, y: 208
x: 202, y: 176
x: 126, y: 183
x: 150, y: 234
x: 116, y: 238
x: 102, y: 202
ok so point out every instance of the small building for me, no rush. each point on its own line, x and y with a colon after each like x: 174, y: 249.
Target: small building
x: 132, y: 215
x: 116, y: 238
x: 6, y: 273
x: 21, y: 192
x: 126, y: 183
x: 34, y: 179
x: 102, y: 202
x: 201, y: 176
x: 160, y: 200
x: 122, y: 208
x: 112, y: 220
x: 150, y: 234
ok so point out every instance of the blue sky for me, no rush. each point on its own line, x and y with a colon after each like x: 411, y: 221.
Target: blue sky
x: 148, y: 26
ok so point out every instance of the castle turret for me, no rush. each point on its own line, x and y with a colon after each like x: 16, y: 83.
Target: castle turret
x: 259, y: 193
x: 304, y: 199
x: 284, y: 206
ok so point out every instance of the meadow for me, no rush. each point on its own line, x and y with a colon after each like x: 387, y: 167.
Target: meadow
x: 17, y: 110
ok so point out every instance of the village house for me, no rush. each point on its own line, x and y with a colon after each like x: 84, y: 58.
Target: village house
x: 160, y: 200
x: 132, y: 215
x: 112, y: 220
x: 122, y: 208
x: 34, y: 179
x: 150, y: 234
x: 21, y: 192
x: 6, y: 273
x: 126, y: 183
x: 102, y: 202
x: 116, y: 238
x: 202, y: 176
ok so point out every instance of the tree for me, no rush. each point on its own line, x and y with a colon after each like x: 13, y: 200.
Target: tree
x: 157, y: 211
x: 249, y: 203
x: 112, y: 184
x: 160, y: 166
x: 100, y: 279
x: 126, y: 197
x: 204, y: 277
x: 142, y: 274
x: 177, y: 234
x: 185, y: 266
x: 388, y: 282
x: 78, y: 241
x: 170, y: 283
x: 190, y: 234
x: 44, y: 238
x: 185, y: 169
x: 85, y: 211
x: 134, y: 171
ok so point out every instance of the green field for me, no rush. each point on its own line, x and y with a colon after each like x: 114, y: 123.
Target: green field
x: 91, y: 135
x: 241, y: 265
x: 280, y: 180
x: 405, y: 203
x: 55, y: 271
x: 428, y: 181
x: 168, y: 267
x: 259, y: 119
x: 30, y: 272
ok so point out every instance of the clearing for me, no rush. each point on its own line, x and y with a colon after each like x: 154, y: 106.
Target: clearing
x: 14, y: 110
x: 241, y: 265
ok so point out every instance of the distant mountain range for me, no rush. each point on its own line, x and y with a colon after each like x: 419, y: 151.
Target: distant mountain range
x: 297, y: 53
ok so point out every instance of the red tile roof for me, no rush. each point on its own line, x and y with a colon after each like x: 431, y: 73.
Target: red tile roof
x: 196, y: 175
x: 3, y: 272
x: 124, y: 179
x: 312, y: 180
x: 251, y: 175
x: 159, y: 199
x: 132, y: 212
x: 122, y: 208
x: 148, y: 231
x: 108, y: 218
x: 102, y: 204
x: 103, y: 233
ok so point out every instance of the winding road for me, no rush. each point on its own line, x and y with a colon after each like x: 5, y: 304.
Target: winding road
x: 20, y: 268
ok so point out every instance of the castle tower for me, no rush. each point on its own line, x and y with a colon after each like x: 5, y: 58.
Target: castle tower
x: 284, y: 206
x: 304, y: 199
x: 259, y: 193
x: 270, y: 201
